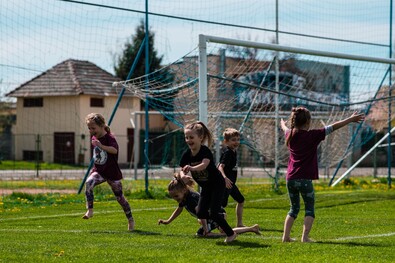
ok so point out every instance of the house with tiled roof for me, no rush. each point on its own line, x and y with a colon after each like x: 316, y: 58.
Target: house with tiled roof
x: 51, y: 110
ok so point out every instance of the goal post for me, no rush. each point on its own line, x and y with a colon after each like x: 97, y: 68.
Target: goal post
x: 250, y: 86
x: 355, y: 93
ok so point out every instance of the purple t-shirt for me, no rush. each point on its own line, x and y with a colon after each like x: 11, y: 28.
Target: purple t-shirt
x: 303, y: 160
x: 106, y: 164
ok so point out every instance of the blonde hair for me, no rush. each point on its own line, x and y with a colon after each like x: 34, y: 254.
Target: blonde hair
x: 98, y: 119
x: 299, y: 117
x: 230, y: 133
x: 178, y: 184
x: 201, y: 130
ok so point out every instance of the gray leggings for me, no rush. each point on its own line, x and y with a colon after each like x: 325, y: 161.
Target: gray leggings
x: 116, y: 186
x: 305, y: 188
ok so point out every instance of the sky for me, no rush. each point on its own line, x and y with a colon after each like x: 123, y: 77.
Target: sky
x: 37, y: 35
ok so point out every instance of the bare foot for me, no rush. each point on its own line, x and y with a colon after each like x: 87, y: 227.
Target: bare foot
x: 307, y: 240
x: 131, y: 224
x: 88, y: 214
x: 285, y: 240
x: 230, y: 238
x: 255, y: 228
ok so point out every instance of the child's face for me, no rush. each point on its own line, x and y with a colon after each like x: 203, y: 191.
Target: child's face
x: 179, y: 196
x: 192, y: 139
x: 95, y: 130
x: 233, y: 143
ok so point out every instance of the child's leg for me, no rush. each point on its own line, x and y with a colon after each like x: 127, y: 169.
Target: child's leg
x: 239, y: 198
x: 216, y: 193
x: 245, y: 229
x: 293, y: 193
x: 307, y: 192
x: 307, y: 224
x: 289, y: 221
x: 239, y: 214
x: 93, y: 180
x: 116, y: 187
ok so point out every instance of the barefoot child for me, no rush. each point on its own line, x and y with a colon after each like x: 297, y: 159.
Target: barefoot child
x: 228, y: 168
x: 106, y: 167
x: 187, y: 198
x: 302, y: 143
x: 198, y: 160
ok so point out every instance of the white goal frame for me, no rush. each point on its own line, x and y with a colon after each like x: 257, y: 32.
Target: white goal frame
x: 204, y: 39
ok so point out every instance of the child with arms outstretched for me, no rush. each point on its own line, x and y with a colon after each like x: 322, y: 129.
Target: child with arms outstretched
x: 302, y: 143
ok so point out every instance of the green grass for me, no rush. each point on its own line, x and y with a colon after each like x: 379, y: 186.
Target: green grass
x: 25, y: 165
x: 355, y: 222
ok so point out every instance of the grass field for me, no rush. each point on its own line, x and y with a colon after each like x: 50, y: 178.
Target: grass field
x: 355, y: 222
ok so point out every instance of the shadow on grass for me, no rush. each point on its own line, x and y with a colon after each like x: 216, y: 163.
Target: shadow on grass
x: 243, y: 244
x: 340, y: 203
x: 350, y: 244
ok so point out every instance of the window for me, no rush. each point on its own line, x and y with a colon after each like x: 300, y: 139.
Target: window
x: 97, y: 102
x: 33, y: 102
x: 32, y: 155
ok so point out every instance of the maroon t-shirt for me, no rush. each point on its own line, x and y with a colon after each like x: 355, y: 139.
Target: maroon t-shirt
x: 303, y: 160
x: 106, y: 164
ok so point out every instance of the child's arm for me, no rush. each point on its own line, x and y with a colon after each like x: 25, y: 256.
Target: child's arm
x: 355, y: 117
x: 228, y: 182
x: 204, y: 225
x: 173, y: 216
x: 109, y: 149
x: 283, y: 125
x: 200, y: 167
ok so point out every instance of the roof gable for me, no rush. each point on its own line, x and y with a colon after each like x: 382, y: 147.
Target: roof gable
x: 70, y: 77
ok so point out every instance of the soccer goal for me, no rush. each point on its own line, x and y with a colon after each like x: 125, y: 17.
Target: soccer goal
x: 250, y: 86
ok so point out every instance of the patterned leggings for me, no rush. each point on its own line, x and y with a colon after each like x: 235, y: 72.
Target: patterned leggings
x: 304, y: 188
x: 116, y: 186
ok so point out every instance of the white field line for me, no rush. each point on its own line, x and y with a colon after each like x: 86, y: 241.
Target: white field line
x: 81, y: 214
x: 35, y: 230
x: 363, y: 237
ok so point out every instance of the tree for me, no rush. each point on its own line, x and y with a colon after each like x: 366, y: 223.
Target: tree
x: 162, y: 101
x: 131, y: 48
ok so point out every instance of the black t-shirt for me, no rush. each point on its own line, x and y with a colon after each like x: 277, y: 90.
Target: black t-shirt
x: 204, y: 177
x: 229, y: 159
x: 190, y: 202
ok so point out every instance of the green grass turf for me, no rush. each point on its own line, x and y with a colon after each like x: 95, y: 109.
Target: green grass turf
x: 352, y: 225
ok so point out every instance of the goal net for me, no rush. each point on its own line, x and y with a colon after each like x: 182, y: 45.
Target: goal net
x: 250, y: 86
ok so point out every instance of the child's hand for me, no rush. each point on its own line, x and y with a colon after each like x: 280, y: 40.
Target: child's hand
x: 96, y: 143
x: 228, y: 183
x: 357, y: 117
x: 186, y: 169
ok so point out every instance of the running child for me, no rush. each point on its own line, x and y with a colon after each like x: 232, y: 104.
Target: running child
x: 198, y: 160
x: 105, y: 167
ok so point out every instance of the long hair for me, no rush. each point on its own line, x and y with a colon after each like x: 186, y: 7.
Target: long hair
x: 178, y: 184
x: 299, y: 117
x: 98, y: 119
x: 201, y: 130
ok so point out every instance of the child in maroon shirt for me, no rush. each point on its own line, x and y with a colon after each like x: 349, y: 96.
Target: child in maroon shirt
x: 302, y: 144
x: 106, y: 169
